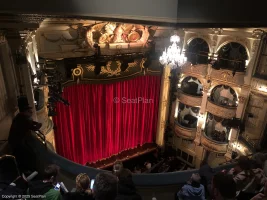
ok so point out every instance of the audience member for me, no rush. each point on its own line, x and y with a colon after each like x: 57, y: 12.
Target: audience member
x: 46, y: 187
x: 260, y: 161
x: 193, y: 190
x: 117, y: 167
x: 105, y: 186
x: 247, y: 180
x: 83, y: 191
x: 223, y: 187
x: 126, y: 187
x: 21, y: 127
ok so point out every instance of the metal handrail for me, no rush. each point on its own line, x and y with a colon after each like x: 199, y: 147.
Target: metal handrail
x: 41, y: 136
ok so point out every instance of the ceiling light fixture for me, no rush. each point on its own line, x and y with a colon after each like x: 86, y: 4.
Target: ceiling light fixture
x: 173, y: 55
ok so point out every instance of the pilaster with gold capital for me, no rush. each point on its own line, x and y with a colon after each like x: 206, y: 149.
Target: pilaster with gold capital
x: 163, y: 105
x: 232, y: 143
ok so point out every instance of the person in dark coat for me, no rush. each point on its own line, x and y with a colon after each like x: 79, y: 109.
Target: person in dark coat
x: 21, y: 128
x: 126, y: 187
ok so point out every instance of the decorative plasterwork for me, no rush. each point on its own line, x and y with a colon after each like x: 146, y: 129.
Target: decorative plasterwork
x: 221, y: 111
x: 194, y: 70
x: 185, y: 132
x: 111, y: 71
x: 212, y: 145
x: 259, y: 85
x: 189, y: 36
x: 227, y: 39
x: 227, y: 76
x: 189, y: 99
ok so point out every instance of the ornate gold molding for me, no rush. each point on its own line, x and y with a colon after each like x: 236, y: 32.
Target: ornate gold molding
x: 189, y: 100
x: 220, y: 111
x: 195, y: 70
x: 227, y: 76
x: 185, y: 132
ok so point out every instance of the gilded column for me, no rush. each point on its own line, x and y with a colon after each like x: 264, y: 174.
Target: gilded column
x: 163, y: 105
x: 201, y: 117
x: 232, y: 143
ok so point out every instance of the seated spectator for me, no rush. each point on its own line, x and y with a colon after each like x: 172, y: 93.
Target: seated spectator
x: 83, y: 191
x: 223, y: 187
x: 105, y: 186
x: 46, y: 187
x: 117, y: 167
x: 247, y: 179
x: 126, y: 188
x: 137, y: 170
x: 260, y: 161
x: 193, y: 190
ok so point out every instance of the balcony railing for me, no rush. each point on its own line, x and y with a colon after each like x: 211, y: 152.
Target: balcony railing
x: 185, y: 132
x: 228, y: 76
x: 200, y: 69
x: 225, y: 112
x: 189, y: 100
x: 213, y: 145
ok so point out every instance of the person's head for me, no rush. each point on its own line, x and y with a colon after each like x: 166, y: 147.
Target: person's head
x: 223, y: 186
x: 82, y: 182
x: 125, y: 175
x: 27, y: 111
x: 50, y: 173
x: 105, y: 186
x: 243, y: 164
x: 117, y: 167
x: 195, y: 180
x: 258, y: 160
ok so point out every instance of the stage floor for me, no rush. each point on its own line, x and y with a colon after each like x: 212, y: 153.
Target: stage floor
x: 124, y: 156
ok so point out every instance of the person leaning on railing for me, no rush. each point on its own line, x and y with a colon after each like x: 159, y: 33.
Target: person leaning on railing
x: 21, y: 128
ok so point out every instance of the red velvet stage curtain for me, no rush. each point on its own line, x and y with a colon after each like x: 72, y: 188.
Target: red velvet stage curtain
x: 105, y: 119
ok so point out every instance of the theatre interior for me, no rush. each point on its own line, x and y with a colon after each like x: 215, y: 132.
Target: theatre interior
x: 158, y: 97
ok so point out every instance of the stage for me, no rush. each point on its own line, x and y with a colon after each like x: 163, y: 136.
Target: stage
x: 124, y: 156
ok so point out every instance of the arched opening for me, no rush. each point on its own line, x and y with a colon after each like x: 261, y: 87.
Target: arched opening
x: 217, y: 128
x: 224, y: 95
x: 187, y: 116
x: 232, y: 56
x: 192, y: 86
x: 197, y: 51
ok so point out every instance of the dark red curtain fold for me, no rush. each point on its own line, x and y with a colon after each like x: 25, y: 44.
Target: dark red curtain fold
x: 105, y: 119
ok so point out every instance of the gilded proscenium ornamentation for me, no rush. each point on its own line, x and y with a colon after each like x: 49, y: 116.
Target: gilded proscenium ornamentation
x: 77, y: 71
x: 107, y: 69
x: 212, y: 145
x: 221, y: 111
x: 119, y: 33
x: 185, y: 132
x: 189, y: 99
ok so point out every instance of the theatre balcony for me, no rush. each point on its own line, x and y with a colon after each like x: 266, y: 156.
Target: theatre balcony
x: 189, y: 99
x: 228, y: 76
x: 225, y: 112
x: 190, y: 92
x: 185, y: 132
x: 213, y: 145
x: 231, y: 63
x: 222, y: 102
x: 194, y: 70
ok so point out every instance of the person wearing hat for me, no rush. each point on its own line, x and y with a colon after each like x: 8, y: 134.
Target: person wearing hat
x: 21, y: 127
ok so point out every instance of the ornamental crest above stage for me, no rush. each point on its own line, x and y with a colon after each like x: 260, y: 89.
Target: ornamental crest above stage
x: 103, y: 72
x: 77, y: 39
